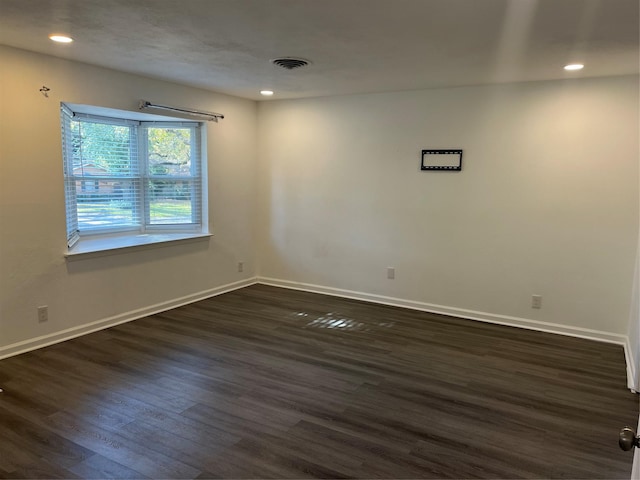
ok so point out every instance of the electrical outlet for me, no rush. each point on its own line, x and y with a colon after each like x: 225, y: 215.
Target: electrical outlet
x: 43, y: 314
x: 391, y: 273
x: 536, y: 301
x: 240, y: 266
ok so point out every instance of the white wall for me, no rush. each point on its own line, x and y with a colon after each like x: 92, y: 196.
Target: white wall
x: 633, y: 348
x: 33, y: 270
x: 546, y: 203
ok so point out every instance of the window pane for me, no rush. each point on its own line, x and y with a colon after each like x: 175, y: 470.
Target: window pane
x: 170, y: 202
x: 107, y: 204
x: 103, y: 149
x: 169, y: 151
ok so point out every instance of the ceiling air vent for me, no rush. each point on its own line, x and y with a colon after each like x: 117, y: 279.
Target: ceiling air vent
x: 290, y: 63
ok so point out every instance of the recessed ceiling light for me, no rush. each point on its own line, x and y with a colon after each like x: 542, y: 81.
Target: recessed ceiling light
x: 266, y: 93
x: 60, y: 38
x: 574, y: 66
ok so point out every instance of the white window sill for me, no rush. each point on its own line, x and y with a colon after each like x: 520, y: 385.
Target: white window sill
x: 97, y: 247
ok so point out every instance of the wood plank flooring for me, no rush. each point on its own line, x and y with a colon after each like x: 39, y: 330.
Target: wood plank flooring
x: 272, y: 383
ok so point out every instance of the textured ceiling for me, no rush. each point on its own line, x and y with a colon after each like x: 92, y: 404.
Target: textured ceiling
x: 355, y: 46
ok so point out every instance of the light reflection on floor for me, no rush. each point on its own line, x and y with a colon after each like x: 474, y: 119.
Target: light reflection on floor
x: 335, y: 320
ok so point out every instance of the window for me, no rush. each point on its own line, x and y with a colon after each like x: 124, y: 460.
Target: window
x: 128, y: 176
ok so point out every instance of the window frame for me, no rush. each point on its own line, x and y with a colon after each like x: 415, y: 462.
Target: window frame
x: 139, y: 125
x: 196, y: 176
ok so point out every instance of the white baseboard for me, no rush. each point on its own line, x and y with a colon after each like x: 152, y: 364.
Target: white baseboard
x: 455, y: 312
x: 61, y: 336
x: 632, y: 373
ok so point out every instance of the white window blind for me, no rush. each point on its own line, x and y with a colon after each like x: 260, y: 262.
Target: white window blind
x: 123, y: 175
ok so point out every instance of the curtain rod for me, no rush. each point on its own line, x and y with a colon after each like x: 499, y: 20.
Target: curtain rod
x: 199, y: 113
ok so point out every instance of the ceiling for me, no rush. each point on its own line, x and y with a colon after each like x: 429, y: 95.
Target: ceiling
x: 355, y: 46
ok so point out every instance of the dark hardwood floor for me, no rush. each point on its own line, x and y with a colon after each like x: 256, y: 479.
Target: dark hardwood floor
x: 271, y: 383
